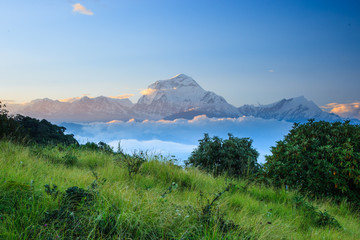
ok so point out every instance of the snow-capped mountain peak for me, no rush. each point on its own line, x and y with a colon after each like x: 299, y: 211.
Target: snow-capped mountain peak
x: 292, y: 109
x: 178, y: 88
x: 178, y: 97
x: 291, y: 103
x: 178, y: 81
x: 180, y: 94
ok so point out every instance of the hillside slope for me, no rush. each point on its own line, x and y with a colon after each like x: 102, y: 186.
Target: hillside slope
x: 162, y: 201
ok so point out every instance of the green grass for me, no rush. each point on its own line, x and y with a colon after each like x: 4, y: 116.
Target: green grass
x: 161, y: 201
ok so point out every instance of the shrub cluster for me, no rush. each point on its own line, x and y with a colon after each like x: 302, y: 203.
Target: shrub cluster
x: 315, y: 216
x: 320, y: 158
x: 101, y: 146
x: 234, y: 156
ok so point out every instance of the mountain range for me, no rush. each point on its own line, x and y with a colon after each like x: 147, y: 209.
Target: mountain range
x: 177, y: 97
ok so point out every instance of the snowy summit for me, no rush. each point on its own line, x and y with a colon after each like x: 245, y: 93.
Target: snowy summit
x: 177, y: 97
x: 180, y: 95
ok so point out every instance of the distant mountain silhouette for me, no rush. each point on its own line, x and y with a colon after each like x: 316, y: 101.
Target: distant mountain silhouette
x: 177, y: 97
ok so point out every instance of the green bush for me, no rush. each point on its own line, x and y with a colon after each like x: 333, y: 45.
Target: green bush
x: 8, y: 125
x: 320, y: 158
x: 133, y: 163
x: 69, y: 160
x: 315, y: 216
x: 234, y: 156
x: 101, y: 146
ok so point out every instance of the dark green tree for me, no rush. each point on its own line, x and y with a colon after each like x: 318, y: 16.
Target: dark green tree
x: 43, y: 132
x: 101, y: 146
x: 320, y: 158
x: 32, y: 130
x: 233, y: 156
x: 8, y: 126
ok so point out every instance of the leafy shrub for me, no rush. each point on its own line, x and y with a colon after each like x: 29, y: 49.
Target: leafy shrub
x: 315, y: 216
x: 51, y: 191
x: 208, y: 216
x: 69, y: 160
x: 78, y: 214
x: 320, y: 158
x: 105, y: 147
x: 76, y: 209
x: 101, y: 146
x: 172, y: 187
x: 74, y: 196
x: 133, y: 162
x: 234, y: 156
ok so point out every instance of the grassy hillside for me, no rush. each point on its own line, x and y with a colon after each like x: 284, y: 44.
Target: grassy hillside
x: 161, y: 201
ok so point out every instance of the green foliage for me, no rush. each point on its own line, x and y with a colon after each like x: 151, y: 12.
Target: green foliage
x: 81, y: 207
x: 43, y: 132
x: 316, y: 217
x: 207, y: 210
x: 8, y: 125
x: 69, y: 160
x: 12, y: 195
x: 172, y: 187
x: 51, y: 191
x: 133, y: 162
x: 319, y: 158
x: 234, y: 156
x: 75, y: 208
x: 209, y: 216
x: 105, y: 147
x: 74, y: 196
x: 22, y: 128
x: 101, y: 146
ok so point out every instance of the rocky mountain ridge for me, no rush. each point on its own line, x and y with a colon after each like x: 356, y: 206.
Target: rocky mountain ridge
x: 177, y: 97
x: 297, y: 109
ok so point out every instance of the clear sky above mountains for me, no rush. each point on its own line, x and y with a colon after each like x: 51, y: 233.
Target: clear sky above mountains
x: 247, y: 51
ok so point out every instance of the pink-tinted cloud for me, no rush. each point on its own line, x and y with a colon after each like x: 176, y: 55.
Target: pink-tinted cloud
x: 345, y: 110
x: 148, y: 91
x: 73, y: 99
x: 78, y: 8
x: 124, y: 96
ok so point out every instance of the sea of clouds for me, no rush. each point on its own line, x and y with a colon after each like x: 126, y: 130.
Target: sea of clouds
x: 180, y: 137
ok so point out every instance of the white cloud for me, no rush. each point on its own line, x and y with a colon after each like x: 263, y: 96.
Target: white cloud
x: 345, y: 110
x: 78, y: 8
x: 166, y: 148
x: 179, y: 136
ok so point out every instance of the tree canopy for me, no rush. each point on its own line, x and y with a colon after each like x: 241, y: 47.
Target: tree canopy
x: 320, y: 158
x: 33, y: 130
x: 234, y: 156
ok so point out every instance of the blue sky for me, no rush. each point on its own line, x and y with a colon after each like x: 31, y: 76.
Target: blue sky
x: 248, y: 51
